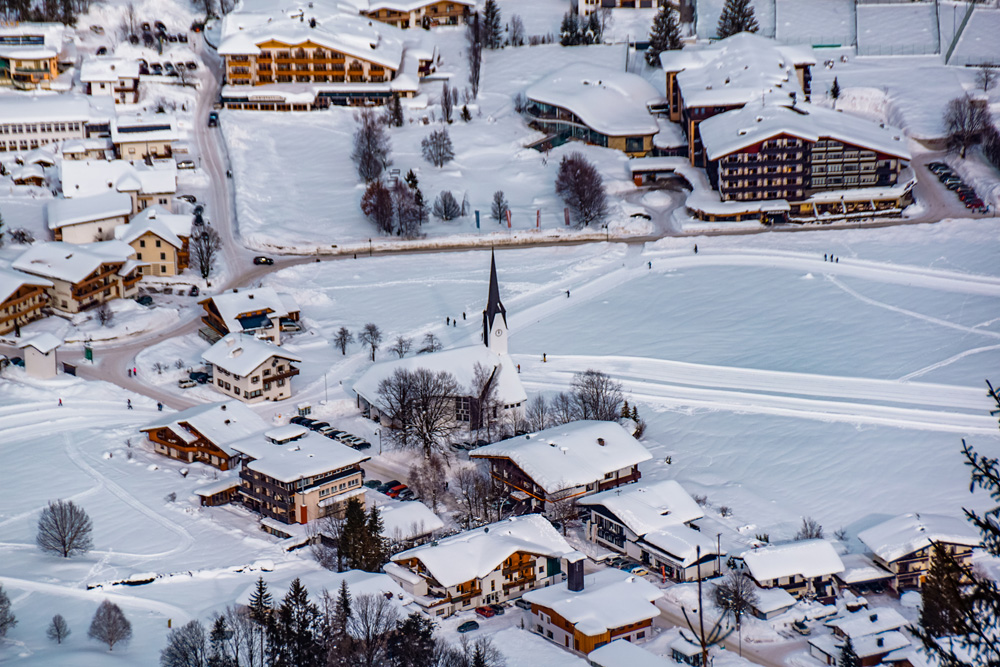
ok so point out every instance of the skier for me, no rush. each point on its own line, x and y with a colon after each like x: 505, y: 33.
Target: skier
x: 463, y: 314
x: 567, y: 294
x: 447, y: 321
x: 837, y: 261
x: 650, y: 265
x: 128, y: 402
x: 519, y: 368
x: 824, y: 256
x: 60, y: 402
x: 543, y: 359
x: 130, y: 372
x: 696, y: 248
x: 159, y: 406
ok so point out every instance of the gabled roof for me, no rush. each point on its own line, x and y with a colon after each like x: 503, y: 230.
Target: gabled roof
x: 906, y: 533
x: 108, y: 69
x: 11, y: 281
x: 155, y: 220
x: 241, y: 355
x: 683, y: 543
x: 735, y: 130
x: 71, y: 262
x: 623, y: 653
x: 43, y: 342
x: 407, y: 520
x: 231, y: 305
x: 610, y: 599
x: 138, y: 127
x: 31, y: 40
x: 806, y: 558
x: 313, y: 454
x: 869, y: 622
x: 609, y: 101
x: 79, y: 210
x: 570, y: 455
x: 475, y: 553
x: 46, y: 107
x: 83, y: 178
x: 220, y: 423
x: 648, y: 506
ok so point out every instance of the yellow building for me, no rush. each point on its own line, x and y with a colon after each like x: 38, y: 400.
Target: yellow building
x: 419, y: 13
x: 160, y: 240
x: 29, y: 54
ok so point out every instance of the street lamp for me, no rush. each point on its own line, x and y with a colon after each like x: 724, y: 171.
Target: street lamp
x: 379, y: 431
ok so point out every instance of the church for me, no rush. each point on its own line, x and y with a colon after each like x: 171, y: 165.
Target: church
x: 508, y: 393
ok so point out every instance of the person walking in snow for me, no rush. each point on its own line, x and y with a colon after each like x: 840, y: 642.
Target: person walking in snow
x: 696, y: 248
x: 60, y: 402
x: 447, y: 321
x: 567, y: 294
x: 128, y: 401
x: 824, y: 256
x: 159, y: 406
x: 650, y: 265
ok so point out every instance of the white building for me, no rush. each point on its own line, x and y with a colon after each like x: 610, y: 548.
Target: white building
x: 486, y: 565
x: 138, y: 136
x: 40, y: 356
x: 31, y: 54
x: 146, y: 184
x: 407, y: 522
x: 117, y: 78
x: 29, y: 122
x: 653, y: 523
x: 251, y: 370
x: 623, y: 653
x: 257, y: 312
x: 565, y: 462
x: 803, y: 568
x: 88, y: 219
x: 874, y: 633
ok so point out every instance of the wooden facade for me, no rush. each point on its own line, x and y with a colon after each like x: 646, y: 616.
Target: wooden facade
x: 429, y: 15
x: 307, y: 62
x: 303, y: 500
x: 909, y: 571
x: 22, y: 306
x: 549, y: 624
x: 200, y: 449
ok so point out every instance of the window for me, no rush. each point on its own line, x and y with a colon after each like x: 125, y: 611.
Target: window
x: 142, y: 244
x: 158, y: 243
x: 163, y: 255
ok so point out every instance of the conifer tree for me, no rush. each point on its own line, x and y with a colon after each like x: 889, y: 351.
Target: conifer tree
x: 293, y: 633
x: 261, y: 607
x: 625, y: 410
x: 219, y: 655
x: 737, y: 16
x: 377, y: 546
x: 412, y: 643
x: 835, y: 89
x: 492, y: 26
x: 569, y: 31
x: 352, y: 541
x: 664, y: 36
x: 941, y: 595
x: 848, y: 656
x: 592, y: 35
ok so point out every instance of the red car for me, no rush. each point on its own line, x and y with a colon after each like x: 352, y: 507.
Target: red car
x: 396, y: 490
x: 485, y: 612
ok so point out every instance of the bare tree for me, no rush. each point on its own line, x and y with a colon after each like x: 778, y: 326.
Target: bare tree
x: 810, y: 530
x: 562, y: 511
x: 563, y: 410
x: 65, y: 529
x: 446, y: 207
x: 376, y: 203
x: 205, y: 248
x: 486, y: 409
x: 580, y: 185
x: 429, y: 479
x: 159, y: 367
x: 396, y: 398
x: 186, y: 647
x: 597, y: 396
x: 371, y: 154
x: 22, y: 236
x: 499, y: 207
x: 736, y: 594
x: 480, y: 495
x: 130, y: 18
x: 402, y: 346
x: 431, y: 343
x: 343, y: 339
x: 7, y: 618
x: 58, y: 629
x: 965, y: 122
x: 538, y: 413
x: 242, y: 640
x: 515, y: 33
x: 371, y: 336
x: 104, y: 314
x: 406, y: 209
x: 110, y: 626
x: 986, y: 77
x: 421, y: 407
x: 447, y: 104
x: 474, y: 35
x: 372, y: 618
x: 704, y: 637
x: 437, y: 148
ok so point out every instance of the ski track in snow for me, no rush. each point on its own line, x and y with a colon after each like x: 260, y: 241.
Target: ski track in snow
x: 945, y: 362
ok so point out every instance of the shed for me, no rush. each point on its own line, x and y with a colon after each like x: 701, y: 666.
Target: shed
x: 40, y: 356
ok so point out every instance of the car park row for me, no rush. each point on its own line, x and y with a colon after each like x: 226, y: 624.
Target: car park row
x: 953, y: 182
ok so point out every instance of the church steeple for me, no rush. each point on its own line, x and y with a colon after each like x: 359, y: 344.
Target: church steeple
x: 495, y: 328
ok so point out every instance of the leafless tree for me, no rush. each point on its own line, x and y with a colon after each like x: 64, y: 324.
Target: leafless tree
x: 809, y: 530
x: 21, y: 236
x: 515, y: 33
x: 58, y: 629
x: 130, y: 18
x: 187, y: 646
x: 402, y: 346
x: 406, y: 210
x: 481, y: 496
x: 376, y: 203
x: 371, y: 154
x: 429, y: 479
x: 104, y: 314
x: 965, y: 121
x: 445, y: 206
x: 205, y: 248
x: 396, y: 398
x: 481, y: 652
x: 736, y: 594
x: 474, y: 36
x: 447, y: 105
x: 562, y: 410
x: 597, y: 396
x: 437, y: 148
x: 65, y: 529
x: 582, y: 189
x: 704, y: 637
x: 7, y: 618
x: 110, y: 626
x: 159, y: 367
x: 499, y: 207
x: 421, y: 407
x: 563, y: 510
x: 372, y: 618
x: 324, y: 537
x: 986, y: 78
x: 431, y: 343
x: 538, y: 413
x: 242, y: 640
x: 371, y: 336
x: 343, y: 339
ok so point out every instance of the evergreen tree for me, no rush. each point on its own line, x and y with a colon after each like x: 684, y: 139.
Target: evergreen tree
x: 412, y: 643
x: 377, y: 546
x: 339, y: 642
x: 418, y: 196
x: 7, y: 618
x: 848, y: 656
x: 835, y: 89
x: 569, y: 31
x: 1, y: 230
x: 354, y: 537
x: 941, y: 595
x: 218, y: 650
x: 293, y: 634
x: 492, y: 25
x: 737, y: 16
x: 479, y: 657
x: 664, y: 36
x: 592, y: 35
x: 625, y: 411
x: 394, y: 112
x: 261, y: 607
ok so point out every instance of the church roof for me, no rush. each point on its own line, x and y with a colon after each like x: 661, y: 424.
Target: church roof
x: 493, y: 304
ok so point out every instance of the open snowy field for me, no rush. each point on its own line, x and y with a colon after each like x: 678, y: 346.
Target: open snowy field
x: 914, y: 29
x: 829, y: 22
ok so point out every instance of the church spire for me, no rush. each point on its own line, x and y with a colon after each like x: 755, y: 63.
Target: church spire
x: 494, y: 329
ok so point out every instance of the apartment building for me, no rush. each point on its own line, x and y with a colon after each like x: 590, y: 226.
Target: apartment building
x: 88, y: 219
x: 22, y: 297
x: 146, y: 183
x: 251, y: 370
x: 29, y: 122
x: 29, y: 54
x: 419, y: 13
x: 117, y: 78
x: 160, y: 240
x: 138, y: 136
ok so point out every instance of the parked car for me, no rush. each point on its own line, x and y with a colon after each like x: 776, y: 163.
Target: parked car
x: 468, y: 626
x: 147, y: 39
x: 213, y: 119
x: 522, y: 603
x: 406, y: 494
x: 316, y: 426
x: 389, y: 485
x: 194, y: 291
x: 349, y: 439
x: 102, y: 51
x: 160, y: 27
x: 133, y: 39
x: 298, y: 419
x: 199, y: 376
x: 143, y: 68
x: 144, y: 300
x: 363, y: 445
x: 485, y: 612
x: 145, y: 27
x: 157, y: 68
x: 497, y: 609
x: 191, y: 65
x: 199, y: 209
x: 17, y: 361
x: 185, y: 164
x: 396, y: 490
x: 186, y: 383
x: 263, y: 260
x: 636, y: 570
x: 169, y: 66
x: 97, y: 30
x: 373, y: 484
x: 329, y: 431
x: 183, y: 38
x: 800, y: 627
x: 188, y: 198
x: 291, y: 327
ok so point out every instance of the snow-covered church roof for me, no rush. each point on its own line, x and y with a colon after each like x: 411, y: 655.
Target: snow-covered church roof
x: 906, y: 533
x: 569, y: 455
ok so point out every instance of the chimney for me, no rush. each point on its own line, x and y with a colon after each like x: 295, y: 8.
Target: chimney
x: 873, y: 618
x: 575, y: 572
x: 880, y: 641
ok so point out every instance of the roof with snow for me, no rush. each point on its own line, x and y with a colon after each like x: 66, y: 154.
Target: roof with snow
x: 407, y: 520
x: 859, y: 569
x: 11, y: 281
x: 31, y: 40
x: 736, y: 70
x: 71, y: 262
x: 170, y: 227
x: 684, y: 543
x: 82, y: 178
x: 74, y: 146
x: 241, y: 355
x: 310, y: 455
x: 47, y: 107
x: 138, y: 127
x: 409, y: 5
x: 220, y: 423
x: 26, y: 172
x: 648, y: 506
x: 907, y: 533
x: 475, y: 553
x: 735, y: 130
x: 236, y: 303
x: 460, y: 362
x: 871, y: 621
x: 43, y: 155
x: 772, y: 600
x: 80, y: 210
x: 610, y: 599
x: 609, y: 101
x: 623, y: 653
x: 43, y: 342
x: 806, y: 558
x: 100, y: 69
x: 569, y: 455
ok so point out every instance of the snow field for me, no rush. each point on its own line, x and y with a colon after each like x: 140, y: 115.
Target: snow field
x: 815, y: 22
x: 914, y: 29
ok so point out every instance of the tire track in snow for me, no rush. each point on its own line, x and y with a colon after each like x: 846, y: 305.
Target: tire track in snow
x: 947, y: 362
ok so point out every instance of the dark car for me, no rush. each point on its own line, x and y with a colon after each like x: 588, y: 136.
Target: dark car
x: 169, y: 66
x: 160, y: 26
x: 373, y: 484
x: 103, y: 51
x: 194, y: 291
x: 147, y: 39
x: 198, y: 220
x: 145, y: 27
x: 188, y: 198
x: 213, y: 119
x: 172, y: 38
x: 298, y: 419
x: 199, y: 377
x: 157, y: 68
x: 199, y: 209
x: 144, y: 300
x: 485, y: 612
x: 468, y: 626
x: 364, y: 444
x: 497, y: 609
x: 263, y: 260
x: 191, y: 64
x: 133, y: 39
x: 389, y: 485
x: 183, y: 39
x: 17, y: 361
x: 318, y: 425
x: 143, y: 69
x: 522, y: 603
x: 406, y: 494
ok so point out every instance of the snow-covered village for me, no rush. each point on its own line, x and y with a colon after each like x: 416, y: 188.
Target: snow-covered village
x: 500, y: 333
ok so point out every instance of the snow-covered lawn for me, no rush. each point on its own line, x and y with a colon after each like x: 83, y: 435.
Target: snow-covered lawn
x: 978, y: 43
x: 914, y: 29
x: 815, y: 22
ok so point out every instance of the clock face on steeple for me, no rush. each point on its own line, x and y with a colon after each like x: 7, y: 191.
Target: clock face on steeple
x: 498, y: 332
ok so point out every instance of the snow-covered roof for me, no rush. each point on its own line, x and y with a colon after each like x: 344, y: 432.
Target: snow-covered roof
x: 670, y: 134
x: 43, y: 342
x: 43, y: 155
x: 623, y: 653
x: 736, y: 70
x: 71, y: 262
x: 73, y: 146
x: 286, y: 433
x: 241, y: 355
x: 126, y: 128
x: 217, y: 487
x: 869, y: 622
x: 31, y: 40
x: 156, y: 220
x: 409, y: 5
x: 475, y: 553
x: 648, y: 506
x: 806, y: 558
x: 860, y: 569
x: 610, y: 599
x: 27, y: 172
x: 11, y: 281
x: 773, y: 599
x: 310, y: 455
x: 609, y: 101
x: 880, y: 644
x: 220, y: 423
x: 231, y: 305
x: 460, y: 362
x: 907, y: 533
x: 570, y: 455
x: 108, y: 69
x: 48, y: 107
x: 82, y: 178
x: 682, y: 542
x: 407, y: 520
x: 735, y: 130
x: 65, y: 212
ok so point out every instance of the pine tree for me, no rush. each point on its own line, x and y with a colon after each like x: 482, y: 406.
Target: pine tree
x: 737, y: 16
x: 625, y: 411
x: 664, y: 36
x: 941, y: 595
x: 848, y: 656
x: 418, y: 196
x: 835, y: 89
x: 261, y: 608
x: 412, y: 643
x: 394, y: 112
x: 352, y: 541
x: 569, y: 31
x: 293, y: 634
x: 376, y: 547
x: 7, y: 618
x: 492, y: 26
x: 593, y: 33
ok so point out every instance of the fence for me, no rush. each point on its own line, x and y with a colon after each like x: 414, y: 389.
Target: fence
x: 830, y: 41
x: 898, y: 50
